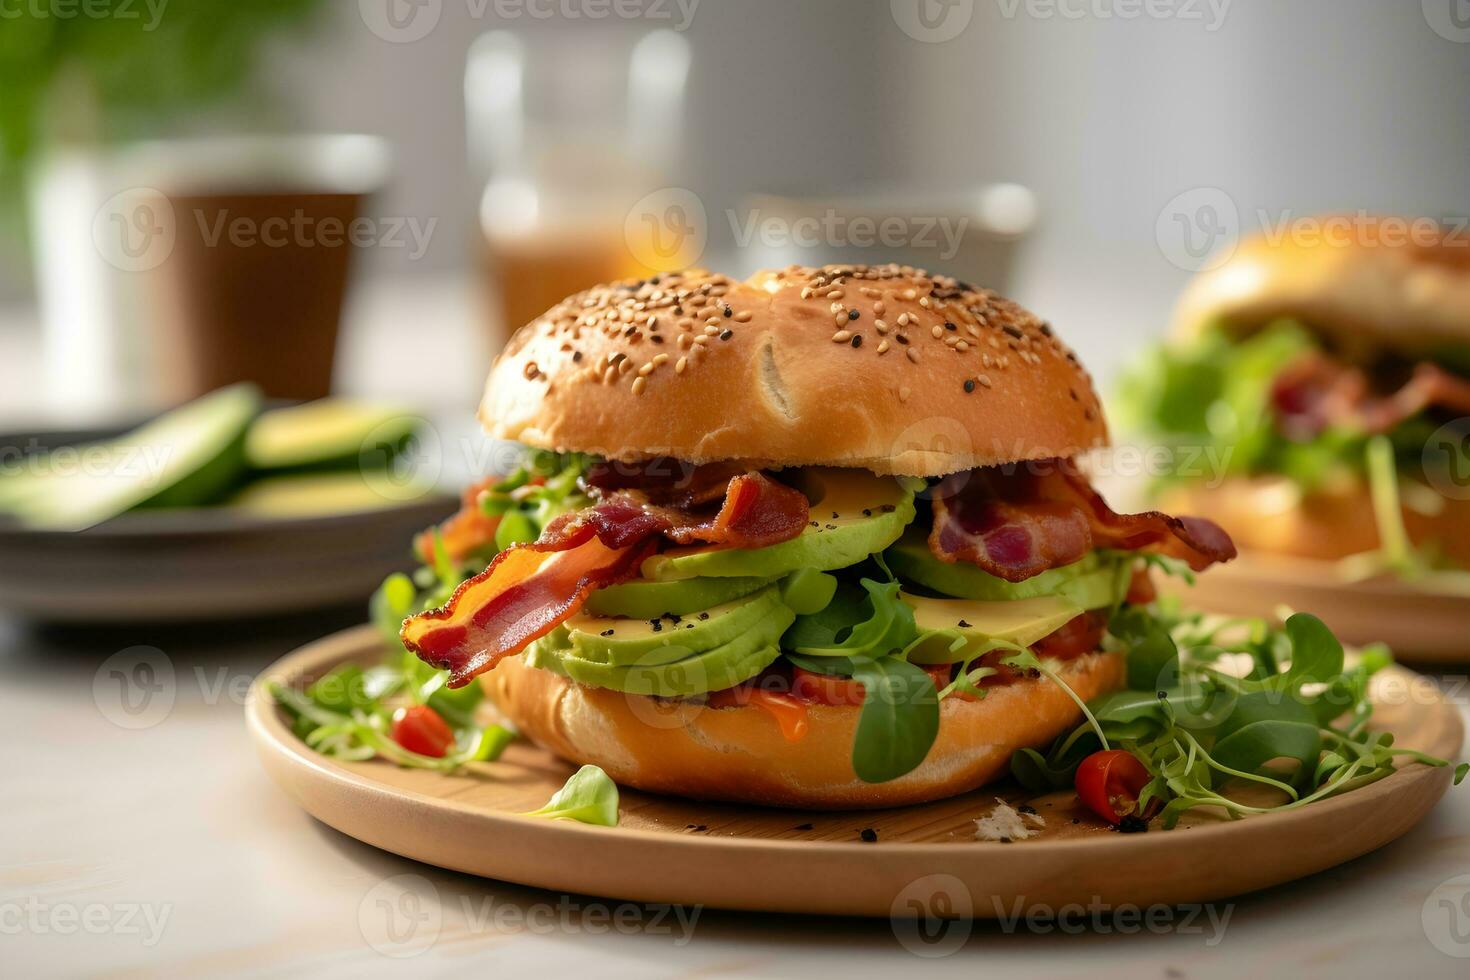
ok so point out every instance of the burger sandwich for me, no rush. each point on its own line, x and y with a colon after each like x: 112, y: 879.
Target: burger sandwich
x: 820, y: 538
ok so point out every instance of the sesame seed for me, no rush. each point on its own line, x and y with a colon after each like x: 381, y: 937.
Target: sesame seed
x: 639, y: 384
x: 903, y: 319
x: 835, y: 294
x: 659, y: 360
x: 984, y: 380
x: 841, y: 337
x: 910, y: 294
x: 879, y: 309
x: 913, y: 355
x: 853, y: 314
x: 882, y: 346
x: 857, y: 340
x: 645, y: 370
x: 726, y: 334
x: 712, y: 329
x: 839, y: 318
x: 881, y: 326
x: 744, y: 316
x: 684, y: 341
x: 937, y: 331
x: 969, y: 385
x: 961, y: 346
x: 949, y: 325
x: 680, y: 365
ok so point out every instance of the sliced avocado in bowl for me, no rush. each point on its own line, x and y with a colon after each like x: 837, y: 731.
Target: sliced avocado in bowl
x: 188, y: 457
x: 320, y: 494
x: 330, y: 433
x: 854, y: 514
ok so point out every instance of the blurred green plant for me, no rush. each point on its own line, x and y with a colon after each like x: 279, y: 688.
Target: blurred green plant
x: 96, y: 71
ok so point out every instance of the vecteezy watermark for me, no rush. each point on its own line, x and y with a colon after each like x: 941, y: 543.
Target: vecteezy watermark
x: 931, y: 916
x: 1199, y: 229
x: 148, y: 12
x: 138, y: 687
x: 138, y: 229
x: 1446, y: 917
x: 834, y: 229
x: 1450, y: 19
x: 1210, y: 14
x: 406, y: 21
x: 135, y: 688
x: 36, y: 917
x: 117, y: 460
x: 1446, y: 459
x: 303, y: 230
x: 134, y: 230
x: 667, y: 229
x: 403, y: 916
x: 932, y: 21
x: 1208, y: 920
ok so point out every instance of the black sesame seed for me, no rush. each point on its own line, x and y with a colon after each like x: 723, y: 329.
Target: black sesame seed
x: 963, y: 625
x: 969, y: 385
x: 869, y: 835
x: 704, y: 615
x: 576, y: 355
x: 606, y: 633
x: 726, y: 335
x: 949, y: 325
x: 853, y: 314
x: 857, y: 340
x: 729, y: 312
x: 1013, y: 330
x: 1026, y: 808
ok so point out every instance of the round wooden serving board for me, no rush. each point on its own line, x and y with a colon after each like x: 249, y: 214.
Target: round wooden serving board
x: 925, y: 858
x: 1420, y: 624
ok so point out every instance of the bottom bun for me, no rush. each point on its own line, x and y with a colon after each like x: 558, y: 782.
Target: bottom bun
x: 1270, y: 514
x: 738, y: 754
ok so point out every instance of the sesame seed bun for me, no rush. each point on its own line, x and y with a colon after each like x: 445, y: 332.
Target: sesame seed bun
x: 1365, y: 284
x: 885, y: 368
x: 738, y: 753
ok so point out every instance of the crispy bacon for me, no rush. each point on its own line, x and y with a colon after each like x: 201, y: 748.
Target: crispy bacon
x: 1045, y: 514
x: 529, y: 589
x: 1316, y: 391
x: 664, y: 480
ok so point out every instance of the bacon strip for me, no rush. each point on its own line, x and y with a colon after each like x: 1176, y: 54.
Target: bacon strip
x: 529, y: 589
x: 1316, y: 391
x: 1045, y: 514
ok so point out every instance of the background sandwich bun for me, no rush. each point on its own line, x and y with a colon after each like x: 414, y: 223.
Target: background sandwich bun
x: 1366, y: 284
x: 738, y: 754
x: 885, y: 368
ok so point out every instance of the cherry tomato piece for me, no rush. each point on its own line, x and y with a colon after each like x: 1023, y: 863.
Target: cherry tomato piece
x: 1109, y: 782
x: 420, y: 729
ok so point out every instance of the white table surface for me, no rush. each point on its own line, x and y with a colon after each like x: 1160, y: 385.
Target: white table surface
x: 102, y: 827
x: 105, y: 826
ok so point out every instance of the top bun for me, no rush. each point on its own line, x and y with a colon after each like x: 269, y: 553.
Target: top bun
x: 886, y: 368
x: 1400, y: 285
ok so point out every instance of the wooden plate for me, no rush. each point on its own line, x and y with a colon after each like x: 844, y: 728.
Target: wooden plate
x: 1420, y: 625
x: 925, y: 858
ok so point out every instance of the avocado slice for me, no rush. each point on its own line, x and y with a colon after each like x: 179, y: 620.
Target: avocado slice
x: 330, y: 433
x: 943, y: 622
x: 319, y: 494
x: 642, y: 599
x: 188, y: 457
x: 712, y: 670
x: 1091, y: 581
x: 621, y: 641
x: 854, y: 514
